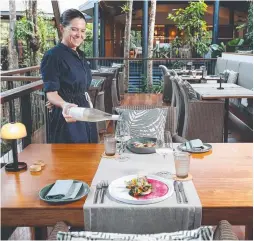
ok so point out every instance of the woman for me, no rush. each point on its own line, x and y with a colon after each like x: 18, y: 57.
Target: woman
x: 67, y: 76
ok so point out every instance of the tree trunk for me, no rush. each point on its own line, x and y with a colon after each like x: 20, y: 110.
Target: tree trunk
x: 127, y: 35
x: 33, y: 43
x: 150, y: 45
x: 13, y: 56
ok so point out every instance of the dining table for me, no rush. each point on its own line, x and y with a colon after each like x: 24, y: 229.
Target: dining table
x: 199, y: 78
x: 222, y: 177
x: 210, y: 91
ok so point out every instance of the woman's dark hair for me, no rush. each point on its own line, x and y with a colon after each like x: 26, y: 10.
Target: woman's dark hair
x: 70, y: 14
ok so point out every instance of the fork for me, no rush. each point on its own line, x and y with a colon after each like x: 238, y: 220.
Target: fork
x: 104, y: 189
x: 98, y: 189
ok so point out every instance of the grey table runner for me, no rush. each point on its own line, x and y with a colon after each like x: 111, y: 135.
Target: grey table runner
x: 166, y: 216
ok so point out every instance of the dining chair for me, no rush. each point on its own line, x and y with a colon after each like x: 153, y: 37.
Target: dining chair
x: 202, y: 119
x: 179, y: 103
x: 171, y: 120
x: 223, y: 231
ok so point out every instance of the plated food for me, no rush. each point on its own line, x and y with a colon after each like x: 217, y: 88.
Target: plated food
x: 138, y: 144
x: 139, y: 186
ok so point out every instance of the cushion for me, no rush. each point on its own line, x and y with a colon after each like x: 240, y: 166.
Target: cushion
x: 145, y: 123
x: 226, y: 74
x: 202, y: 233
x: 96, y: 82
x: 191, y: 92
x: 232, y: 77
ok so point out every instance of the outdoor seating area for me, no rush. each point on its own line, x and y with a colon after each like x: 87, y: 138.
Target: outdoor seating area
x: 127, y: 121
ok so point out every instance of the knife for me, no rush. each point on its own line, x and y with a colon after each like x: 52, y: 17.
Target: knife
x: 176, y: 188
x: 181, y: 189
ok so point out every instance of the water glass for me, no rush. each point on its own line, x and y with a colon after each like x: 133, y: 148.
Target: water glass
x: 194, y: 73
x: 110, y: 145
x: 164, y: 147
x: 122, y: 135
x: 182, y: 164
x: 192, y: 67
x: 184, y: 67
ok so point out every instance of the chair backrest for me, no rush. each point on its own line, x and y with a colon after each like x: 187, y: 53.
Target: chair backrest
x: 179, y: 104
x: 167, y: 89
x: 185, y: 99
x: 164, y: 69
x: 233, y: 65
x: 220, y: 65
x: 173, y: 73
x: 171, y: 121
x: 245, y: 77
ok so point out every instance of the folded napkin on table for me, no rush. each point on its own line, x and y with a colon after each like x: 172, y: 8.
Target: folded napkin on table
x: 64, y: 189
x: 193, y: 144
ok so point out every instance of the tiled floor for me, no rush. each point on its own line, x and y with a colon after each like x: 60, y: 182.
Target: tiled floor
x: 26, y: 233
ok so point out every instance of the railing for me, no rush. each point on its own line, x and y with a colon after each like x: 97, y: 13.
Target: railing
x: 23, y: 102
x: 137, y: 81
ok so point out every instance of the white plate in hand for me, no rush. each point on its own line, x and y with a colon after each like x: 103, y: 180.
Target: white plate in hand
x: 161, y: 190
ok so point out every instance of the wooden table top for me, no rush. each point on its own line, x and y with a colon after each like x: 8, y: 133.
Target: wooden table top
x: 223, y: 179
x: 210, y: 91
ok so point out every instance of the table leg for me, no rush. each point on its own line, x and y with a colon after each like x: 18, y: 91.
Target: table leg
x: 40, y: 233
x: 249, y: 232
x: 226, y: 120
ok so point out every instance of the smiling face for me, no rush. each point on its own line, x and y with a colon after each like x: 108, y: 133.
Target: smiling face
x: 74, y: 33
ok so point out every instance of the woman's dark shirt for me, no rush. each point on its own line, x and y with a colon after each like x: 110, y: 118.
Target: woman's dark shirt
x: 68, y: 73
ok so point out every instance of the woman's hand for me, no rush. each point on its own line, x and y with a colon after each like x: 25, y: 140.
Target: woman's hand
x: 49, y: 106
x: 66, y: 106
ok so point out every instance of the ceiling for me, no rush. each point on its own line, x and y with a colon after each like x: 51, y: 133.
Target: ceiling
x: 114, y: 8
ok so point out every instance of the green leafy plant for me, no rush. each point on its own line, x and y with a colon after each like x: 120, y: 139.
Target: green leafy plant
x: 191, y: 22
x: 87, y: 46
x: 125, y: 8
x: 234, y: 44
x: 248, y: 25
x: 178, y: 64
x: 218, y: 49
x: 144, y: 88
x: 46, y: 35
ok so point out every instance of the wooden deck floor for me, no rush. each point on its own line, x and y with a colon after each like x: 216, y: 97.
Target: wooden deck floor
x: 26, y: 233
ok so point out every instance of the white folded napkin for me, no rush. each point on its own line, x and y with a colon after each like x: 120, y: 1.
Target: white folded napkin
x: 64, y: 189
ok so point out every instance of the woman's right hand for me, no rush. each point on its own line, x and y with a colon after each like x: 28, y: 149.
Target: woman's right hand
x: 66, y: 106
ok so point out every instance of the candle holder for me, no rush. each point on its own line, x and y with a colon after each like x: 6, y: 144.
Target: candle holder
x: 220, y: 88
x: 202, y: 77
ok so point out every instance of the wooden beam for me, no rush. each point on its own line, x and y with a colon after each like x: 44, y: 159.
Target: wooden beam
x: 20, y: 78
x: 19, y: 71
x: 56, y: 12
x: 20, y: 91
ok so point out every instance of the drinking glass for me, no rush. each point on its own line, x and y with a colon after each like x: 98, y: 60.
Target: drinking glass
x: 122, y: 135
x: 192, y: 67
x: 184, y: 67
x: 110, y: 144
x: 182, y: 164
x: 194, y: 73
x: 164, y: 147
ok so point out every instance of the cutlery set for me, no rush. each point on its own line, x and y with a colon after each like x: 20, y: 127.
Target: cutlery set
x: 179, y: 190
x: 100, y: 192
